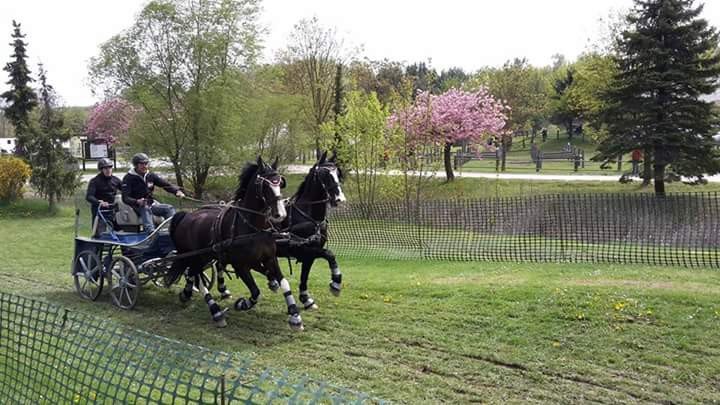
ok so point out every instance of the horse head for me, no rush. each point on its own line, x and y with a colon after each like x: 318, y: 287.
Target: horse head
x: 260, y: 189
x: 330, y: 176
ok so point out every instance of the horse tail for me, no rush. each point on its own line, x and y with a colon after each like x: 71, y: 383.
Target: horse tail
x: 176, y: 219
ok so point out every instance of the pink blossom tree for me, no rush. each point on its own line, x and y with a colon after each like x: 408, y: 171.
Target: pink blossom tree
x: 109, y: 121
x: 451, y: 117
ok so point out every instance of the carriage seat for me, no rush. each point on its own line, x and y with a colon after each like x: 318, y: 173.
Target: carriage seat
x: 127, y: 219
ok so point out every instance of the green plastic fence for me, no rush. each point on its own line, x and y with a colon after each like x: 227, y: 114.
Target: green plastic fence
x: 50, y: 355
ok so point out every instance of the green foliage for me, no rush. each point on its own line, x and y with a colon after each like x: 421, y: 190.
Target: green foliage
x: 54, y: 170
x: 521, y: 86
x: 665, y: 64
x: 183, y: 64
x: 363, y: 150
x: 21, y: 98
x: 273, y: 122
x: 593, y: 76
x: 14, y: 172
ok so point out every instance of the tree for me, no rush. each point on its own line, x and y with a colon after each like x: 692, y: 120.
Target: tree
x: 109, y: 121
x: 363, y: 129
x: 592, y: 78
x: 54, y: 170
x: 563, y: 111
x: 183, y: 64
x: 311, y: 59
x: 21, y: 98
x: 666, y: 62
x: 424, y: 77
x: 452, y: 78
x: 452, y: 117
x: 524, y: 89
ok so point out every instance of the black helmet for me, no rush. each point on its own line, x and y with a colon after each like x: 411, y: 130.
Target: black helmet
x: 140, y: 158
x: 104, y: 162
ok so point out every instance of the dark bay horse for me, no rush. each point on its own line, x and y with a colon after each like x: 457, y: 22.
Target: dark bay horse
x: 306, y: 225
x: 239, y: 234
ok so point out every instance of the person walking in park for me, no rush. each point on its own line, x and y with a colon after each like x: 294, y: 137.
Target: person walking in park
x: 636, y: 157
x: 137, y: 191
x: 102, y: 188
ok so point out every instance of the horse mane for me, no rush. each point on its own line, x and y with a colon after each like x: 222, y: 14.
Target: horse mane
x: 247, y: 173
x: 304, y: 183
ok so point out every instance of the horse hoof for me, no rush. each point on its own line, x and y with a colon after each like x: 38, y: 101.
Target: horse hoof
x: 221, y: 323
x: 273, y: 285
x: 225, y: 295
x: 243, y: 305
x: 335, y: 289
x: 183, y: 298
x: 296, y: 322
x: 312, y: 307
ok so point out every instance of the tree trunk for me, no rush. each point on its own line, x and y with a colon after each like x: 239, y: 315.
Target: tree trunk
x: 659, y: 179
x: 448, y: 163
x: 178, y: 174
x: 503, y: 154
x: 647, y: 168
x: 51, y: 203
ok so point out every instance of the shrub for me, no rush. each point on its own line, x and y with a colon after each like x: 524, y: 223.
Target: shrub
x: 14, y: 173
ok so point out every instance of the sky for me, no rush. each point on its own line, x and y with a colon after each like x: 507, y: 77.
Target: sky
x: 65, y: 34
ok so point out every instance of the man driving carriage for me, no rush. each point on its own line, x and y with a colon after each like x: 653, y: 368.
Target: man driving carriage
x: 137, y: 191
x: 102, y: 188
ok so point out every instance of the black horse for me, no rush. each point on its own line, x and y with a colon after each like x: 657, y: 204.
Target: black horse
x: 306, y: 227
x: 239, y: 234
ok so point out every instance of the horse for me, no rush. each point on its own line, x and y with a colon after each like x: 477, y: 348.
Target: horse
x: 306, y: 226
x: 239, y: 234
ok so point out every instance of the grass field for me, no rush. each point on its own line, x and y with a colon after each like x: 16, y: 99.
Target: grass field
x: 415, y: 331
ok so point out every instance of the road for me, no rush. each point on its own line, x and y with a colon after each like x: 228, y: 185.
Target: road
x: 474, y: 175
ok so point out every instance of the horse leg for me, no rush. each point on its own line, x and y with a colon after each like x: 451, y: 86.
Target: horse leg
x: 305, y: 298
x: 218, y: 314
x: 222, y: 288
x: 335, y: 275
x: 243, y: 304
x: 273, y: 268
x: 186, y: 293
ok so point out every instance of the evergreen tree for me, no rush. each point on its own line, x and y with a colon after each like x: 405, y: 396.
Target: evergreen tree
x: 54, y: 170
x: 21, y: 98
x: 666, y: 62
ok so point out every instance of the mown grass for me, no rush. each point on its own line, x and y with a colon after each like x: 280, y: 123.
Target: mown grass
x: 417, y: 331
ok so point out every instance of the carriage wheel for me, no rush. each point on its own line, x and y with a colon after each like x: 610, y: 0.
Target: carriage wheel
x: 88, y: 274
x: 124, y: 282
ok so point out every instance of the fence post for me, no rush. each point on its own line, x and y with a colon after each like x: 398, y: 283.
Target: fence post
x: 619, y: 163
x: 222, y: 389
x: 582, y: 152
x: 538, y: 162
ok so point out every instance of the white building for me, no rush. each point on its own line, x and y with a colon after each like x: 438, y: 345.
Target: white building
x: 7, y: 145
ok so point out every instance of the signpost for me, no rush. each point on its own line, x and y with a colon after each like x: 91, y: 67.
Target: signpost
x: 96, y: 151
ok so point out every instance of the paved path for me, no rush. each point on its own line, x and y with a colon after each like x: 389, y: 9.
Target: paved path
x: 475, y: 175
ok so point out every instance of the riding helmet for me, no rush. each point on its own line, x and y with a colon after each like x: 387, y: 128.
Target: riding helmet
x: 140, y: 158
x: 104, y: 162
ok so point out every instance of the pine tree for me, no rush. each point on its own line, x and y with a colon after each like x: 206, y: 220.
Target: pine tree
x: 54, y: 170
x: 666, y: 63
x: 21, y: 98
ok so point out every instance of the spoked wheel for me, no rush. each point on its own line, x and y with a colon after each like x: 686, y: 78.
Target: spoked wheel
x: 209, y: 276
x: 124, y: 282
x: 88, y: 274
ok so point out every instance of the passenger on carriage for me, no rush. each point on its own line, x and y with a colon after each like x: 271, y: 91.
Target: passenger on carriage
x: 137, y: 191
x: 102, y: 188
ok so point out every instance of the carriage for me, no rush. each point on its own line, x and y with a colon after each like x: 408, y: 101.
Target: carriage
x: 120, y: 255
